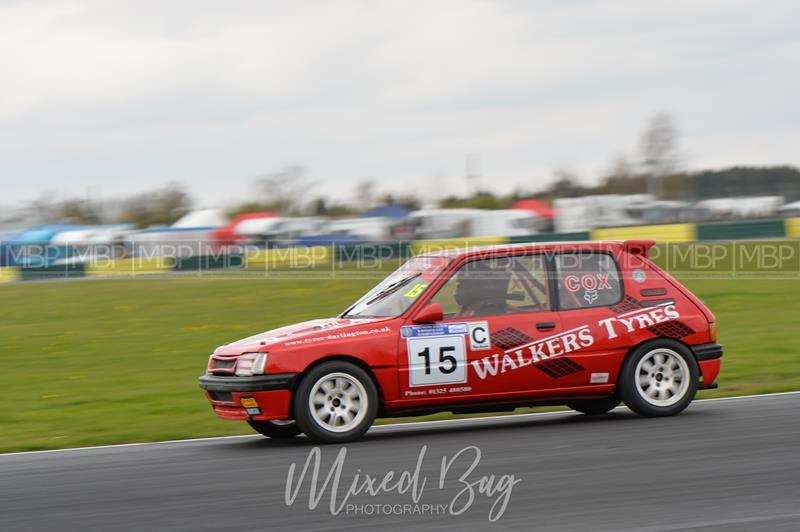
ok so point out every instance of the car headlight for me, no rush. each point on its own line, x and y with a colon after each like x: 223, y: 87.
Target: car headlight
x: 250, y: 364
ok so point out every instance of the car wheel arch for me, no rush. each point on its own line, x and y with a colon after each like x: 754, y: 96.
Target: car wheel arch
x: 344, y: 358
x: 653, y: 341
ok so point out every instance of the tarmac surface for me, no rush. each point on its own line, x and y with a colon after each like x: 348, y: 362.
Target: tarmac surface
x: 730, y: 464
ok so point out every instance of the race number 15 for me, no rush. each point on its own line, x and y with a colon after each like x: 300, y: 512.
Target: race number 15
x: 437, y: 360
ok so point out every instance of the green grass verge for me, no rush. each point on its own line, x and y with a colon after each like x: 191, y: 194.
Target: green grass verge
x: 111, y: 361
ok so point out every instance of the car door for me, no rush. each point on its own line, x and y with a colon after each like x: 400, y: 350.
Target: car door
x: 497, y: 325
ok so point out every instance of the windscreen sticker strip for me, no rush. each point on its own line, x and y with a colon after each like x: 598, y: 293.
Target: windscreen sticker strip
x: 445, y: 329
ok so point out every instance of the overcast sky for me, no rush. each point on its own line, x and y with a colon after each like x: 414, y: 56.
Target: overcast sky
x: 108, y: 98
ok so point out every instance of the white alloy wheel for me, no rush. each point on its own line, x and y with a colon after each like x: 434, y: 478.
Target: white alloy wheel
x: 662, y: 377
x: 338, y: 402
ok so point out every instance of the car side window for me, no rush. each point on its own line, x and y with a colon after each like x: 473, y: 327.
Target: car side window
x: 491, y: 287
x: 587, y: 280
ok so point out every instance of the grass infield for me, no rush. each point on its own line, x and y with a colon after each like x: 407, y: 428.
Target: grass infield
x: 112, y: 361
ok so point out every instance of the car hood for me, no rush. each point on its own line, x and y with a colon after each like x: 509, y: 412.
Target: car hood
x: 299, y: 331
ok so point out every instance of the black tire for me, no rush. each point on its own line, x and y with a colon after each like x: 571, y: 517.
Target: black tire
x: 337, y: 403
x: 274, y: 430
x: 594, y: 407
x: 678, y: 359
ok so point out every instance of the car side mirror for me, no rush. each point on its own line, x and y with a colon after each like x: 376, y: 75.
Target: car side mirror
x: 430, y: 313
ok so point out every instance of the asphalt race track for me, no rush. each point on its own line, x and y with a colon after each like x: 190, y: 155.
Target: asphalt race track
x: 721, y: 465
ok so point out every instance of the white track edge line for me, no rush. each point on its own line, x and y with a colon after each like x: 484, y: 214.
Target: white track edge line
x: 389, y: 426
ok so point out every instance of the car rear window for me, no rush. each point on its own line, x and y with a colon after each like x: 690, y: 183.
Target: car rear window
x: 587, y: 280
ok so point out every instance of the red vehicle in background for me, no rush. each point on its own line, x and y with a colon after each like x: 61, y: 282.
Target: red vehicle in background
x: 584, y: 324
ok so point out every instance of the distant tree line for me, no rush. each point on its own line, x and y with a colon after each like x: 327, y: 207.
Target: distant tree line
x: 655, y: 170
x: 162, y: 206
x: 166, y: 205
x: 745, y: 181
x: 737, y: 181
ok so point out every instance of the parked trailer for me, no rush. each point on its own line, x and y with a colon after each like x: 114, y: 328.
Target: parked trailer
x: 371, y: 229
x: 603, y: 210
x: 104, y: 242
x: 741, y: 207
x: 279, y: 230
x: 450, y: 223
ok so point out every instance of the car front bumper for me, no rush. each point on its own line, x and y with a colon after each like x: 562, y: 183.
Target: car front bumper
x: 272, y: 394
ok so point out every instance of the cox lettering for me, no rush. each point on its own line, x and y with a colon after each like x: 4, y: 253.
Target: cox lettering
x: 589, y: 282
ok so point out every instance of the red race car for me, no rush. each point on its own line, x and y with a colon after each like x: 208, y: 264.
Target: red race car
x: 584, y: 324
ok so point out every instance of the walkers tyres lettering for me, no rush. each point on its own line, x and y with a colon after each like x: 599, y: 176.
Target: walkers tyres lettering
x: 570, y: 341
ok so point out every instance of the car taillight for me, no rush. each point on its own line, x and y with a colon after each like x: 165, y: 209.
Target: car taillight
x: 712, y: 331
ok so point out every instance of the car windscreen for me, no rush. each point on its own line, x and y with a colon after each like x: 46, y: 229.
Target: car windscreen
x: 395, y: 294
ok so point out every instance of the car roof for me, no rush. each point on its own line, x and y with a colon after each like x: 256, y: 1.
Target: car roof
x: 642, y: 246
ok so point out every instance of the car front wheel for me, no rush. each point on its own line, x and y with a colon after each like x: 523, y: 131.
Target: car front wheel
x: 336, y: 402
x: 276, y: 429
x: 659, y: 379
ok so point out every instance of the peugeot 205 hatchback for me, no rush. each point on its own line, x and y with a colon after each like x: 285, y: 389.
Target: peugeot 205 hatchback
x: 587, y: 325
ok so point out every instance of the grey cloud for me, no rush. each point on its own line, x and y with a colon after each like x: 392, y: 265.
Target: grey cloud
x: 125, y: 95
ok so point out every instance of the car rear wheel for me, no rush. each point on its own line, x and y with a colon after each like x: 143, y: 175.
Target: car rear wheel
x: 594, y: 407
x: 659, y: 379
x: 335, y: 402
x: 275, y: 429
